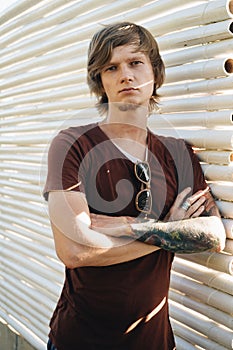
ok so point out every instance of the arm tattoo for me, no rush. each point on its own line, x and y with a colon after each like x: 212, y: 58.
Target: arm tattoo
x: 186, y: 236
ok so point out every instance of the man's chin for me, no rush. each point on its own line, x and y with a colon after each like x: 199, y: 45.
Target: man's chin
x: 125, y: 107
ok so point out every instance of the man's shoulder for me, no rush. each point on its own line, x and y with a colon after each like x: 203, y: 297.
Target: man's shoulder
x: 167, y: 140
x: 79, y: 130
x: 170, y: 147
x: 74, y: 134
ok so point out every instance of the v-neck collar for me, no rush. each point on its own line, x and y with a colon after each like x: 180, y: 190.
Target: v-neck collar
x: 119, y: 149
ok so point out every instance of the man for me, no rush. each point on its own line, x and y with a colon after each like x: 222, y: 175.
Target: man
x: 122, y: 201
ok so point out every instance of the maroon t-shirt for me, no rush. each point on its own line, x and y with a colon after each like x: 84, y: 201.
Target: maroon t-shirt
x: 122, y: 306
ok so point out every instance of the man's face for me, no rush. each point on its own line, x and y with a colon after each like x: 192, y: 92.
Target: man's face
x: 128, y: 77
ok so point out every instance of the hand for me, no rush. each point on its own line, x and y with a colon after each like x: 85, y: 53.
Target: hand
x: 194, y: 205
x: 112, y: 226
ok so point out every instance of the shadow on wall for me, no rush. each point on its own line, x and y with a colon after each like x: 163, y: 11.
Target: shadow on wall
x: 10, y: 340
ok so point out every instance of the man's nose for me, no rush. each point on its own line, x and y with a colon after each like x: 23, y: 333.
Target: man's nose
x: 126, y: 74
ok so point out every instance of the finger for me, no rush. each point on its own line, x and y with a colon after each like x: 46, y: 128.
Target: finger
x: 93, y: 216
x: 195, y: 206
x: 197, y: 213
x: 209, y: 202
x: 131, y: 219
x: 181, y: 196
x: 195, y: 209
x: 198, y: 194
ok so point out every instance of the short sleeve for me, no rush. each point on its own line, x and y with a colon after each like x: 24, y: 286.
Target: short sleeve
x: 64, y: 159
x: 187, y: 166
x: 193, y: 170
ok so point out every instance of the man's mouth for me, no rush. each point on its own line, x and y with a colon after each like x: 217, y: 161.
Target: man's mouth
x: 127, y: 89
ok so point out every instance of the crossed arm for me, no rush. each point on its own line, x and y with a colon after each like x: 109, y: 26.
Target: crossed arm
x: 84, y: 239
x: 181, y: 231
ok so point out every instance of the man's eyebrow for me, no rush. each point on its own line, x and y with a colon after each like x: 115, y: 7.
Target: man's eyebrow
x: 138, y: 53
x: 135, y: 56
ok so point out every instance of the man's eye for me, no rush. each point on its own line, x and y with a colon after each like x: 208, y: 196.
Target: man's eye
x: 135, y: 63
x: 110, y: 68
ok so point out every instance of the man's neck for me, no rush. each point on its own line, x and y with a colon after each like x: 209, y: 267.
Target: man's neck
x: 128, y: 137
x: 129, y: 123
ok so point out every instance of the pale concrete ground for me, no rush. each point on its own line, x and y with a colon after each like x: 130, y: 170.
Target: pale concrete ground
x: 9, y: 340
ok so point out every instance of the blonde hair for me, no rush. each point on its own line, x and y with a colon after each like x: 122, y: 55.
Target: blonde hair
x: 100, y: 52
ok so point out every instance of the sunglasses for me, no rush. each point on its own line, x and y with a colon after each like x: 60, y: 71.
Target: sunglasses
x: 143, y: 200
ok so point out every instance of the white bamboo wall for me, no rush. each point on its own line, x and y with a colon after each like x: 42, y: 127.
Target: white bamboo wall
x: 43, y: 88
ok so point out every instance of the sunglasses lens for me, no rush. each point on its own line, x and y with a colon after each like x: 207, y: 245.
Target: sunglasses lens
x: 144, y: 201
x: 143, y: 172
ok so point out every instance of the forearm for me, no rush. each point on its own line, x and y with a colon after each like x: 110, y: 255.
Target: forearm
x: 74, y: 254
x: 183, y: 236
x: 115, y: 255
x: 77, y: 244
